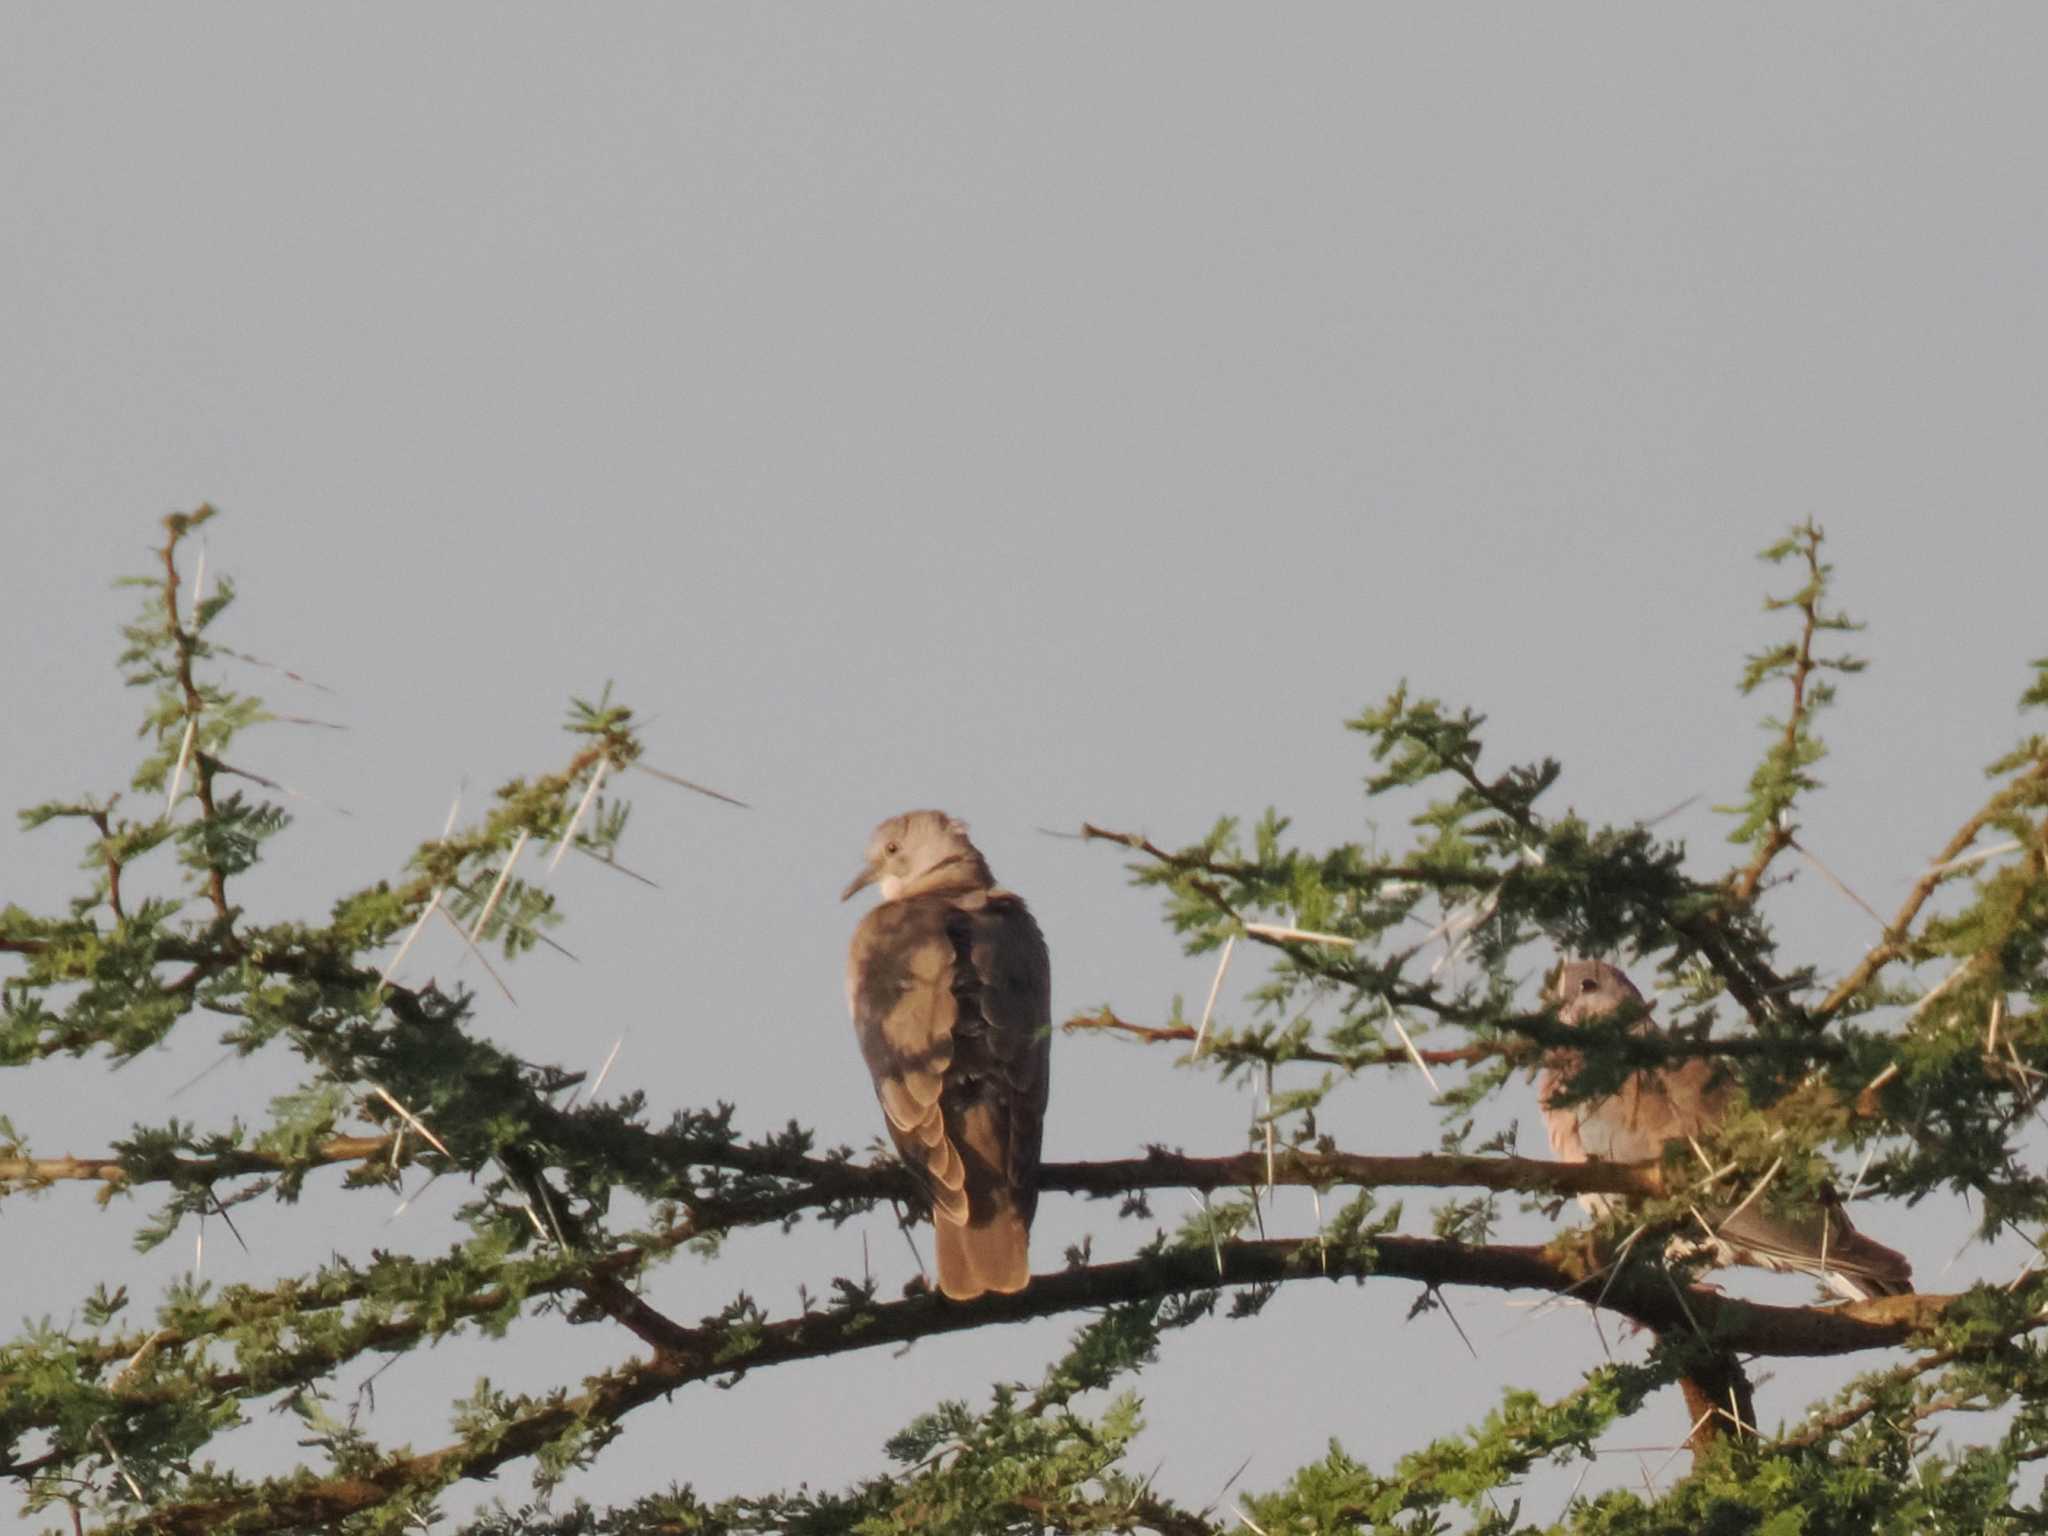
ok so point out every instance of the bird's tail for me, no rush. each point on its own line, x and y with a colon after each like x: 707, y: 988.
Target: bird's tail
x: 1825, y: 1246
x: 993, y: 1254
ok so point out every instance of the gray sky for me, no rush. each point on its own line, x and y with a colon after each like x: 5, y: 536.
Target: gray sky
x: 1047, y: 413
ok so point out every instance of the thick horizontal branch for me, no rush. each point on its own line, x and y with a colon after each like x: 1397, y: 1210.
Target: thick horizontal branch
x: 1160, y: 1169
x: 688, y: 1355
x: 599, y: 1275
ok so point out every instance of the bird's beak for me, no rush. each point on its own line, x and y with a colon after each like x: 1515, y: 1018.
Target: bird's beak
x: 865, y: 877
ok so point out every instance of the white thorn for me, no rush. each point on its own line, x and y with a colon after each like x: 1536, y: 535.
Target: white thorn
x: 1299, y: 935
x: 412, y: 1120
x: 184, y: 757
x: 582, y: 805
x: 1963, y: 861
x: 1394, y: 1018
x: 433, y: 904
x: 497, y: 890
x: 1216, y: 986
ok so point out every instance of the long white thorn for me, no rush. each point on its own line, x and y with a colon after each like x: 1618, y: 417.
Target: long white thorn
x: 1299, y: 935
x: 1749, y: 1199
x: 433, y: 904
x: 605, y: 1071
x: 602, y: 1073
x: 1939, y: 987
x: 120, y: 1465
x: 582, y: 805
x: 1856, y: 1183
x: 1216, y: 986
x: 184, y: 757
x: 1965, y: 860
x: 433, y: 901
x: 412, y: 1120
x: 498, y: 890
x: 1394, y: 1017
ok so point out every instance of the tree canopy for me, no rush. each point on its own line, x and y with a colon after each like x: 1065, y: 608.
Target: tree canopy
x: 1863, y: 1084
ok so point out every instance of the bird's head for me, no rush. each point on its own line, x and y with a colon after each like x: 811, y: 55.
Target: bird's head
x: 921, y: 851
x: 1590, y: 989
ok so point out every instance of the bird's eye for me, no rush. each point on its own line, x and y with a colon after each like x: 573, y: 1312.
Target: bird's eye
x: 1589, y: 985
x: 890, y: 849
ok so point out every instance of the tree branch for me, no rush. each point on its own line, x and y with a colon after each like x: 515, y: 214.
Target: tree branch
x: 1778, y: 836
x: 689, y: 1355
x: 2019, y: 791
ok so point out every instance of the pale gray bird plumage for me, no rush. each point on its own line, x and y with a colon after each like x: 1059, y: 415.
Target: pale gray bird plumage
x: 950, y: 988
x: 1684, y: 1100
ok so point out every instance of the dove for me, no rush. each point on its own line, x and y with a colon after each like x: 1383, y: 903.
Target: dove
x: 1686, y: 1099
x: 950, y: 988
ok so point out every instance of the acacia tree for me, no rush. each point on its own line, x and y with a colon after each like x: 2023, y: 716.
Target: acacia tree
x: 109, y: 1421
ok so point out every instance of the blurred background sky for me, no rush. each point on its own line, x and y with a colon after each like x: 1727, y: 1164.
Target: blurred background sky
x: 1048, y: 413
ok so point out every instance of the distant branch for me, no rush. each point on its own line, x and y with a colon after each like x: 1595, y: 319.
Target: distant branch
x: 1778, y: 831
x: 2021, y: 791
x: 176, y: 526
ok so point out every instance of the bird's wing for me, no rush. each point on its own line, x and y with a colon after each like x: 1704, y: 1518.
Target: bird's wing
x: 1001, y: 1074
x: 1649, y: 1109
x: 901, y: 983
x: 1684, y: 1100
x: 1816, y: 1240
x: 1633, y: 1123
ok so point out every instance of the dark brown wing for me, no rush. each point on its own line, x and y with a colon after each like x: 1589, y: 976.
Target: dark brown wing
x: 1002, y: 1045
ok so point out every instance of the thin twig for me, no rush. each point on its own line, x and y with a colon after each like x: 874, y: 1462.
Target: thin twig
x: 482, y: 959
x: 683, y: 783
x: 615, y: 866
x: 233, y: 1231
x: 1444, y: 1302
x: 282, y: 789
x: 271, y: 666
x: 1833, y: 879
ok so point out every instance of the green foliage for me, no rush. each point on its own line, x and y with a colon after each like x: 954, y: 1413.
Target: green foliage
x: 1378, y: 959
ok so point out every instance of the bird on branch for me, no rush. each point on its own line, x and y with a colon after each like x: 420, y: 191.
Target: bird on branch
x: 1683, y: 1101
x: 950, y: 988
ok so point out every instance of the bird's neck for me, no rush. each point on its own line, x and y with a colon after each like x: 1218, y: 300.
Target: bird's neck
x: 962, y: 872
